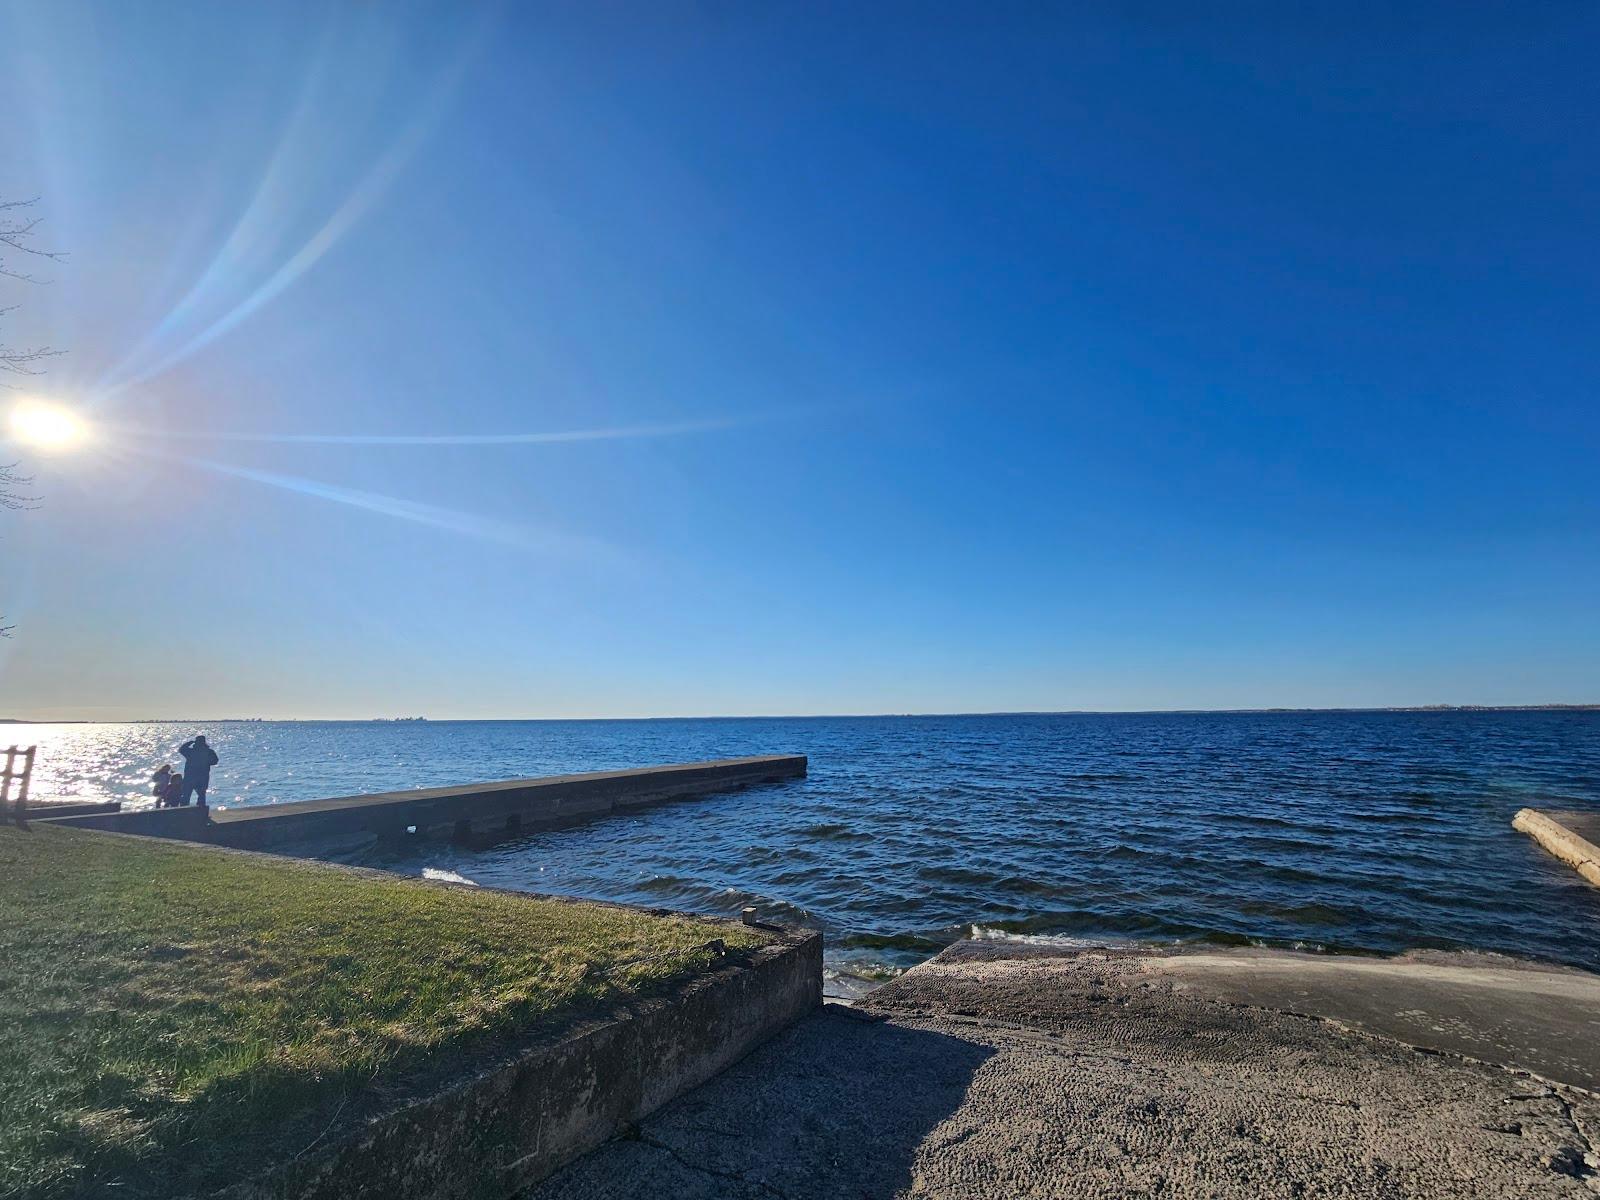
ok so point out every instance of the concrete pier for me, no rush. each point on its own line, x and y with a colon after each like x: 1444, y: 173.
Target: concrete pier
x: 481, y: 810
x: 1573, y: 837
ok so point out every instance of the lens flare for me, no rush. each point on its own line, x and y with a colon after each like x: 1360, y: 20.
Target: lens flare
x: 47, y: 426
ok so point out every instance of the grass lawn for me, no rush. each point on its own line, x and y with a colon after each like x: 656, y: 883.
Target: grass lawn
x: 174, y: 1018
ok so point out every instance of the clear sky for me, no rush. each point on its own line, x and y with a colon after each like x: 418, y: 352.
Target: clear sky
x: 957, y: 357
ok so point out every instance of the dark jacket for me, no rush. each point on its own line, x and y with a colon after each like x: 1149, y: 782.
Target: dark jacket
x: 197, y: 763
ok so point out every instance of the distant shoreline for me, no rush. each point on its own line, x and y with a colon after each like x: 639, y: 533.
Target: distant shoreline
x: 1063, y: 712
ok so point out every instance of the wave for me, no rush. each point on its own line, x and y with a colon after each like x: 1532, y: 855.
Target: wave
x: 834, y: 832
x: 444, y: 876
x: 868, y: 971
x: 989, y: 933
x: 918, y: 942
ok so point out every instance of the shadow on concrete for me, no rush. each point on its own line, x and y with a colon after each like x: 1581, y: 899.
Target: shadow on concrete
x: 835, y: 1106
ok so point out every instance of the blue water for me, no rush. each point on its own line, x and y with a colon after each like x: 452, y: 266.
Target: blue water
x: 1354, y: 831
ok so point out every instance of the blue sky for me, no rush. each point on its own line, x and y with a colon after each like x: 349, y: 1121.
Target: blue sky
x: 957, y: 358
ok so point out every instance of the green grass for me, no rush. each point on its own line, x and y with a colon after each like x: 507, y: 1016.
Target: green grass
x: 173, y: 1018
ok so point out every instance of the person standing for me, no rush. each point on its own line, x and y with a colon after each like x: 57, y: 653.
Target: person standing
x: 198, y: 759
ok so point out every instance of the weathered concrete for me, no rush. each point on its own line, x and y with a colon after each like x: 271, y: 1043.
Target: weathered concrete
x: 999, y: 1072
x: 190, y: 824
x: 516, y: 1122
x: 1573, y: 837
x: 476, y: 810
x: 44, y: 810
x: 1538, y: 1018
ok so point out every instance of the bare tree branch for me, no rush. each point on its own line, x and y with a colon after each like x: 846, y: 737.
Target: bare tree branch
x: 20, y: 361
x: 12, y: 499
x: 17, y: 229
x: 9, y: 481
x: 16, y: 233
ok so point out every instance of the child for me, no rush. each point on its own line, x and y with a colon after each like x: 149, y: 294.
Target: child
x: 167, y: 786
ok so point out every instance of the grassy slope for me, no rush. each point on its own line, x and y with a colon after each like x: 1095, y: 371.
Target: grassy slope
x: 172, y: 1016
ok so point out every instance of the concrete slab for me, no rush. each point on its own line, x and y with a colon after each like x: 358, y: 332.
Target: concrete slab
x: 1585, y: 824
x: 1572, y: 836
x: 996, y: 1073
x: 1541, y: 1019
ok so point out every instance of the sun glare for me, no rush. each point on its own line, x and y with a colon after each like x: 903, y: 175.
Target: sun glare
x: 47, y: 426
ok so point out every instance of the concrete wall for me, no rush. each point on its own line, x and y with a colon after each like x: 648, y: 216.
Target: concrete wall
x: 190, y: 824
x: 476, y: 810
x: 516, y: 1123
x: 44, y: 809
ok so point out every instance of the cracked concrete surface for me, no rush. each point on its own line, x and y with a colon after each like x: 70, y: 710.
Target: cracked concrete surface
x: 993, y: 1072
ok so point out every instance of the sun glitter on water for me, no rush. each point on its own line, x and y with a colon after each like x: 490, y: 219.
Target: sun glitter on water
x: 48, y: 426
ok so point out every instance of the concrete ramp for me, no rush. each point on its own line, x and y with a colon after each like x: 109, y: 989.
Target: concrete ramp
x: 999, y: 1072
x: 1528, y: 1016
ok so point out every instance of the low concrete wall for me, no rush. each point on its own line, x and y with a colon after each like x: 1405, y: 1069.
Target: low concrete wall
x: 476, y: 810
x: 1563, y: 835
x: 40, y: 810
x: 189, y: 824
x: 513, y: 1125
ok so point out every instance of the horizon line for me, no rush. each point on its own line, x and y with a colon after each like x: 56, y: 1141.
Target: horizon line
x: 1548, y: 706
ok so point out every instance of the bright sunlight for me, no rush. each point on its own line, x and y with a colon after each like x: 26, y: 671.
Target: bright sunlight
x: 47, y: 426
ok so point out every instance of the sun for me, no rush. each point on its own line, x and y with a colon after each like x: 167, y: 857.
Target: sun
x: 47, y: 426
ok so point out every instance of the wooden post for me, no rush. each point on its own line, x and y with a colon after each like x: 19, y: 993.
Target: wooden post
x: 5, y: 783
x: 21, y: 814
x: 18, y: 812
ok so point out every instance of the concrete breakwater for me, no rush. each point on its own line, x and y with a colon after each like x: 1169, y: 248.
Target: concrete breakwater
x: 499, y: 809
x: 1573, y: 837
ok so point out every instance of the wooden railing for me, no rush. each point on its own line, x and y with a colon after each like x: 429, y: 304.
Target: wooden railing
x: 15, y: 777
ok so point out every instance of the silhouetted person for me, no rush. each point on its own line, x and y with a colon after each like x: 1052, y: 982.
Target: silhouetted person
x: 167, y: 786
x: 198, y: 759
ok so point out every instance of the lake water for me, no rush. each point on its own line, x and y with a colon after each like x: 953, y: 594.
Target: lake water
x: 1354, y: 831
